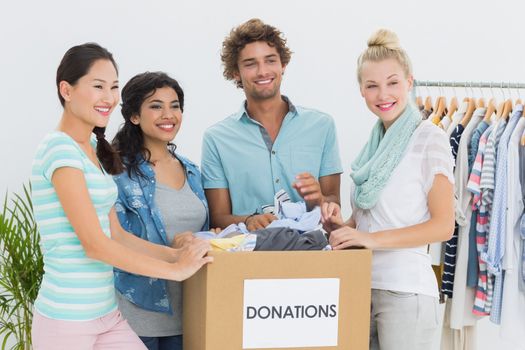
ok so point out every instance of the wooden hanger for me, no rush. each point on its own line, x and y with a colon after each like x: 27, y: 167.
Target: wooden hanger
x: 441, y: 105
x: 419, y: 102
x: 470, y: 110
x: 436, y: 104
x: 428, y: 104
x: 481, y: 103
x: 518, y: 100
x: 499, y: 110
x: 507, y: 108
x: 491, y: 108
x: 452, y: 107
x: 469, y: 99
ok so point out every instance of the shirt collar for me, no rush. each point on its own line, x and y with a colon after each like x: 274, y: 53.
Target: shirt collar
x: 244, y: 113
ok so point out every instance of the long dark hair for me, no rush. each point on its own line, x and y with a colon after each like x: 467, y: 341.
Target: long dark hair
x: 129, y: 140
x: 76, y: 63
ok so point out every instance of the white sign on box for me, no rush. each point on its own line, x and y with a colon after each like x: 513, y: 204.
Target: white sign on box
x: 289, y: 313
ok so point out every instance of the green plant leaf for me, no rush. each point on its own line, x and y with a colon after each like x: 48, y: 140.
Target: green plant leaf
x: 21, y: 268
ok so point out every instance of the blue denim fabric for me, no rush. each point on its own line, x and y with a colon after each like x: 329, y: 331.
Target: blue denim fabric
x: 173, y: 342
x: 138, y: 214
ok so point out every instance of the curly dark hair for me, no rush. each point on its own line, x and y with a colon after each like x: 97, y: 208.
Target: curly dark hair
x: 249, y: 32
x: 129, y: 140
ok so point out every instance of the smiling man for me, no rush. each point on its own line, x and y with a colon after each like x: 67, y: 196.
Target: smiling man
x: 269, y: 144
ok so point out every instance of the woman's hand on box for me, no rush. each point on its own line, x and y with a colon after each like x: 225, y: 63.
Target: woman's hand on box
x: 191, y: 258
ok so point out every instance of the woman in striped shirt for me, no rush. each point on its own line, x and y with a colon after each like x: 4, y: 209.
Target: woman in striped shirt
x: 82, y: 240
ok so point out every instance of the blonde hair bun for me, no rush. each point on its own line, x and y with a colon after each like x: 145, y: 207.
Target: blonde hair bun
x: 384, y: 44
x: 384, y: 38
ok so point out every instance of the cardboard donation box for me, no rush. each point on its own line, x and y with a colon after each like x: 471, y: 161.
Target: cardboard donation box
x: 279, y: 300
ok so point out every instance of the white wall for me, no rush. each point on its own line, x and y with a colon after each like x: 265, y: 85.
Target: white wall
x: 447, y: 40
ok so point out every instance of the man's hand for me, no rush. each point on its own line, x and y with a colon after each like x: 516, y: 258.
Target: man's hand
x: 309, y: 188
x: 260, y: 221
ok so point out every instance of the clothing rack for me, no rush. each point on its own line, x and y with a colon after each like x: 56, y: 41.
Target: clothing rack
x: 465, y: 84
x: 469, y: 84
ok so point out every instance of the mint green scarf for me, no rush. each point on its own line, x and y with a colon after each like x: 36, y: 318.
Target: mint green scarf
x: 380, y: 156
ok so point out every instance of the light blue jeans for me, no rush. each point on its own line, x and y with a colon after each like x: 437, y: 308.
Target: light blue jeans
x: 406, y: 321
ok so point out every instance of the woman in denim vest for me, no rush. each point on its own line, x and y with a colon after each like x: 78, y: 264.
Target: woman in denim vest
x: 160, y: 200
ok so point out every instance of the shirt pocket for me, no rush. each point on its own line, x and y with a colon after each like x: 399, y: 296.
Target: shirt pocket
x: 306, y: 159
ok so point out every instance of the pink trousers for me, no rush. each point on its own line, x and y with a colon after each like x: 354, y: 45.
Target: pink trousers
x: 108, y: 332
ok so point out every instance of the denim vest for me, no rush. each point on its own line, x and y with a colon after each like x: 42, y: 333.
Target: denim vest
x: 138, y: 214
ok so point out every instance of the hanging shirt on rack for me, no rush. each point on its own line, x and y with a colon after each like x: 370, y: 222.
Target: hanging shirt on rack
x: 467, y: 240
x: 474, y: 142
x: 455, y: 138
x: 496, y: 240
x: 463, y: 297
x: 514, y: 199
x: 522, y: 225
x: 473, y: 260
x: 484, y: 283
x: 513, y: 300
x: 456, y: 118
x: 487, y: 190
x: 436, y: 249
x: 449, y: 267
x: 445, y: 122
x: 426, y: 113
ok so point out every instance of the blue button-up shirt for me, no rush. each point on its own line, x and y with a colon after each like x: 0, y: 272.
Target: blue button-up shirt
x: 138, y: 214
x: 496, y: 238
x: 474, y: 142
x: 237, y: 155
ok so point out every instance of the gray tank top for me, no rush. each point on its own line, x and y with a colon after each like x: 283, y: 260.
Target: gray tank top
x: 181, y: 211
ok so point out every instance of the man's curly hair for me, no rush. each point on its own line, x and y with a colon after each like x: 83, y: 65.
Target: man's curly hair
x: 249, y: 32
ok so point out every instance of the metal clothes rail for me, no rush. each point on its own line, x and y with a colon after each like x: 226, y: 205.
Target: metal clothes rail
x: 469, y: 84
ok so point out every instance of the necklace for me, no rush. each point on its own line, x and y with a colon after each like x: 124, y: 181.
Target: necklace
x: 166, y: 159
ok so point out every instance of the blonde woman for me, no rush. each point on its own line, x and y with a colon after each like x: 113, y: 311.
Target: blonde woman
x: 402, y: 200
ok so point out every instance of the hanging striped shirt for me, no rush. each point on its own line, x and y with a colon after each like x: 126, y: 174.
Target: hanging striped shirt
x: 487, y: 183
x: 449, y: 263
x: 74, y: 287
x: 482, y: 303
